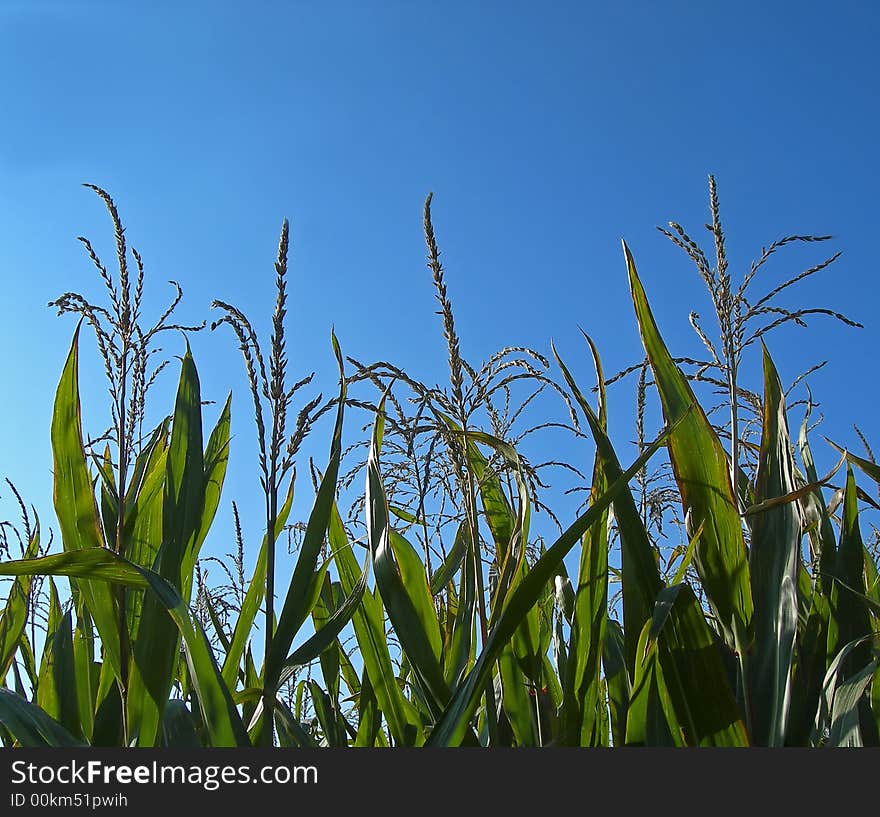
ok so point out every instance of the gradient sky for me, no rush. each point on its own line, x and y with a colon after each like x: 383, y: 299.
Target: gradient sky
x: 547, y: 132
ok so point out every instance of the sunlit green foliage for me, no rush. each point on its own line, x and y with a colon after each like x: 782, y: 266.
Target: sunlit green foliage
x: 431, y: 614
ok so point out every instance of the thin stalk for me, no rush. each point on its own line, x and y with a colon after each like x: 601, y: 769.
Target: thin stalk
x: 268, y: 733
x: 456, y: 378
x: 420, y: 510
x: 120, y: 527
x: 473, y: 525
x: 734, y: 435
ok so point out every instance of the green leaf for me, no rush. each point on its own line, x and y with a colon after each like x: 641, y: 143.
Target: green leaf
x: 144, y: 464
x: 404, y: 515
x: 614, y: 664
x: 109, y: 715
x: 330, y: 657
x: 700, y: 705
x: 216, y: 459
x: 641, y: 580
x: 588, y: 633
x: 369, y: 627
x: 155, y: 652
x: 178, y: 727
x: 253, y: 599
x: 291, y: 732
x: 646, y: 723
x: 447, y: 570
x: 56, y: 693
x: 452, y: 727
x: 369, y: 716
x: 849, y: 618
x: 300, y: 595
x: 820, y: 530
x: 184, y: 496
x: 144, y: 514
x: 809, y: 670
x: 328, y: 716
x: 30, y: 726
x: 702, y: 474
x: 845, y: 709
x: 86, y: 670
x: 74, y: 502
x: 401, y: 581
x: 519, y: 705
x: 868, y: 467
x: 459, y: 653
x: 831, y: 684
x: 582, y: 691
x: 13, y: 618
x: 774, y: 561
x: 400, y: 578
x: 217, y: 708
x: 327, y: 634
x: 108, y: 502
x: 499, y: 515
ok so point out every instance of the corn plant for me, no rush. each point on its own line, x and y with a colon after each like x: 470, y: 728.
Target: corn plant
x: 762, y: 632
x: 131, y: 530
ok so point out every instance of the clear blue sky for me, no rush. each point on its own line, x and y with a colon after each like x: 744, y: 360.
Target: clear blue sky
x: 547, y: 131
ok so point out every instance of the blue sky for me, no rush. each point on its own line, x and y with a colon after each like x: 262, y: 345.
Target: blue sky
x: 547, y: 133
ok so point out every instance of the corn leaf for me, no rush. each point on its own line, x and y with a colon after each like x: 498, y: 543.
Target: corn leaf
x: 30, y: 725
x: 86, y: 670
x: 301, y: 590
x: 848, y: 696
x: 327, y: 631
x: 178, y: 727
x: 774, y: 562
x: 215, y: 461
x: 820, y: 531
x: 253, y: 599
x: 217, y: 708
x: 617, y: 681
x: 849, y: 619
x: 452, y: 727
x: 291, y: 732
x: 401, y: 581
x: 640, y: 575
x: 453, y: 561
x: 144, y: 515
x: 581, y: 688
x: 459, y: 653
x: 702, y: 474
x: 518, y: 699
x: 369, y: 626
x: 646, y: 723
x: 56, y: 692
x: 74, y: 502
x: 13, y: 618
x: 152, y: 669
x: 700, y: 706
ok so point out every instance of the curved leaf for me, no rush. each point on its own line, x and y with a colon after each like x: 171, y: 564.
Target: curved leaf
x: 452, y: 727
x: 218, y: 710
x: 253, y: 599
x: 301, y: 594
x: 30, y: 726
x: 74, y: 502
x: 310, y: 649
x: 703, y: 477
x: 13, y: 618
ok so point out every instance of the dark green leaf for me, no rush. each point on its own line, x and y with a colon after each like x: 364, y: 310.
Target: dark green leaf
x: 30, y: 726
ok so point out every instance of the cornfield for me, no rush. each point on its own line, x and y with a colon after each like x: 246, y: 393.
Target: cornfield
x: 422, y: 608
